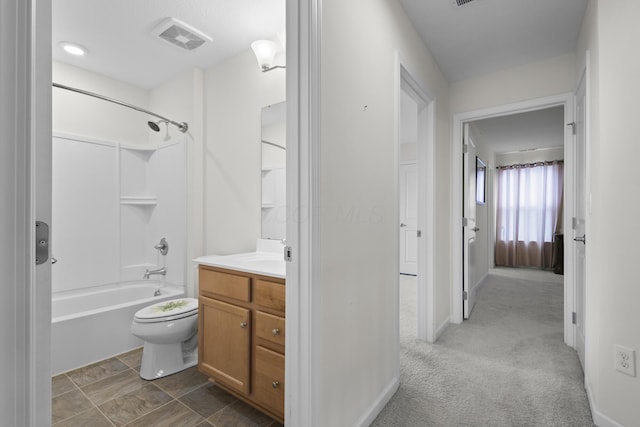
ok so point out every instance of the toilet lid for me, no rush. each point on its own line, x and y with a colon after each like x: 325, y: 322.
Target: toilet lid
x: 181, y: 307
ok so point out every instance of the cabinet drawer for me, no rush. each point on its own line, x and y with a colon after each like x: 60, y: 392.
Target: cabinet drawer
x: 269, y: 380
x: 227, y: 285
x: 269, y: 294
x: 270, y: 328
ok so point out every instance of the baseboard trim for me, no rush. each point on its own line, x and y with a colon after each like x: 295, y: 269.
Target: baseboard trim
x: 443, y: 326
x: 599, y: 419
x: 376, y: 407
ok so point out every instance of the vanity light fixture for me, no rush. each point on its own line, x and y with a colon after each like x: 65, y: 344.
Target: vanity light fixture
x: 73, y: 49
x: 265, y: 51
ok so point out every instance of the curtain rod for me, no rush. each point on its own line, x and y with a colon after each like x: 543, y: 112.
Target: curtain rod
x: 182, y: 126
x: 531, y: 165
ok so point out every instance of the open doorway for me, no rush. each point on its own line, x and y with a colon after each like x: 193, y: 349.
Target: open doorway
x: 513, y: 195
x: 415, y: 201
x: 563, y: 107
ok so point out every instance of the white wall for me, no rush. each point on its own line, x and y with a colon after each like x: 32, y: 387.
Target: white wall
x: 235, y: 92
x: 182, y: 100
x: 609, y: 32
x: 355, y: 300
x: 84, y: 115
x: 540, y: 79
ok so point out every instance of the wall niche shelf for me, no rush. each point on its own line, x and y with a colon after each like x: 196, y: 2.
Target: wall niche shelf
x: 139, y: 200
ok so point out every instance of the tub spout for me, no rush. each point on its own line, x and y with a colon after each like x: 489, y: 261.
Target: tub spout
x: 161, y: 271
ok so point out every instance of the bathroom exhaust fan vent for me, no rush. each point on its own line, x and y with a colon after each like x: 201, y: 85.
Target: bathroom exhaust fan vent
x: 460, y: 3
x: 180, y: 34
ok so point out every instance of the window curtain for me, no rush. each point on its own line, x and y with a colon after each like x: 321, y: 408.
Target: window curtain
x: 529, y: 213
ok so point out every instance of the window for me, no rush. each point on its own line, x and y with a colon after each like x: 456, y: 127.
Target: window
x: 529, y: 208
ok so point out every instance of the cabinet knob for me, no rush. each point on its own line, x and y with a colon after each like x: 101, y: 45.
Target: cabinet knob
x: 275, y: 384
x: 243, y: 325
x: 275, y: 332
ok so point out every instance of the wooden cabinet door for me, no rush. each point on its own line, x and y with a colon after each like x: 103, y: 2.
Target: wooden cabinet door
x: 225, y: 337
x: 269, y: 380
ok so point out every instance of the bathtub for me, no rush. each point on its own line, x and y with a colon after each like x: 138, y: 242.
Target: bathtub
x: 91, y: 325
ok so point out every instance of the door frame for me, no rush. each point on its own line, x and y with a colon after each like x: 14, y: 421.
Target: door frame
x: 567, y: 101
x: 303, y: 163
x: 27, y: 114
x: 425, y: 161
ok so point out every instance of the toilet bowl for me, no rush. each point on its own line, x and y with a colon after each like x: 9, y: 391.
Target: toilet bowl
x: 169, y: 331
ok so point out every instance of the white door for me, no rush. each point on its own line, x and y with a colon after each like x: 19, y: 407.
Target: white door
x: 469, y: 222
x: 579, y: 237
x: 408, y: 218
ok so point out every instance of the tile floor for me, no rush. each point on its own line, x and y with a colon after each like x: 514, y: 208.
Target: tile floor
x: 111, y: 393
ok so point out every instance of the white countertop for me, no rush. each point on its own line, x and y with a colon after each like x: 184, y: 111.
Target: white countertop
x: 263, y: 263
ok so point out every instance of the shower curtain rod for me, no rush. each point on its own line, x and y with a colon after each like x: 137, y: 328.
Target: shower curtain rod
x: 273, y: 144
x: 182, y: 126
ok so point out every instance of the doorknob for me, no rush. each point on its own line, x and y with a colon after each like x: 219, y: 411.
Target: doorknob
x: 476, y: 229
x: 582, y: 239
x: 403, y: 224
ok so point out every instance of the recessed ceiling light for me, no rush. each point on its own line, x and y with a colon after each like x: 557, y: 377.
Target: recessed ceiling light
x: 73, y: 48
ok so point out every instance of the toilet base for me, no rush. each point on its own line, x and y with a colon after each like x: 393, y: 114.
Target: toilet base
x: 160, y: 360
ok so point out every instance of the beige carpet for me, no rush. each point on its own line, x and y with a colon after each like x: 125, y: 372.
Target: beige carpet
x: 506, y: 366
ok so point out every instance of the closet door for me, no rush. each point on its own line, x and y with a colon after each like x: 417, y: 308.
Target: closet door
x: 408, y: 218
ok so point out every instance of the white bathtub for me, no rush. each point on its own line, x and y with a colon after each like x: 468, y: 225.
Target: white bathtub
x: 91, y: 325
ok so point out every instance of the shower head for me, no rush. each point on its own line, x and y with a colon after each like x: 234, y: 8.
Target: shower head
x: 154, y: 125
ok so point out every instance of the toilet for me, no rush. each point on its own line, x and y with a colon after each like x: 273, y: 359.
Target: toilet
x: 169, y: 330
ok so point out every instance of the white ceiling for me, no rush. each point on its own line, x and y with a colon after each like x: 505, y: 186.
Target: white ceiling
x: 117, y: 34
x: 489, y: 35
x: 467, y: 41
x: 522, y: 132
x: 480, y: 37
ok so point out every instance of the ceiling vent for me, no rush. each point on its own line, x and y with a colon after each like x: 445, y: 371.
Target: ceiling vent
x: 180, y: 34
x: 460, y: 3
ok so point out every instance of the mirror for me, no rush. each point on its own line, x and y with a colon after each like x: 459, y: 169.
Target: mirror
x: 481, y: 170
x: 274, y: 163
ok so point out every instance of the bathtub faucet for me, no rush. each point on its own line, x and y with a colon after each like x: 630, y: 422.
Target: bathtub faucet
x: 161, y: 271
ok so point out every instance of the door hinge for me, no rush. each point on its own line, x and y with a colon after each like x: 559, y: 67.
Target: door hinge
x: 574, y: 318
x: 465, y: 222
x: 465, y: 148
x: 288, y: 253
x: 465, y: 295
x: 574, y: 223
x: 419, y: 233
x: 573, y: 127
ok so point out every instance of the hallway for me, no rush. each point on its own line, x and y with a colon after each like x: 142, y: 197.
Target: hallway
x: 506, y: 366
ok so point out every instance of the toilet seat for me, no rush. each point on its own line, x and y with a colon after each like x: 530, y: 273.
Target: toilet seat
x: 167, y: 311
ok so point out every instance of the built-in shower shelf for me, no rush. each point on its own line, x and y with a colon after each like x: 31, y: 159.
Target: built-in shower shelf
x: 139, y: 200
x: 146, y: 148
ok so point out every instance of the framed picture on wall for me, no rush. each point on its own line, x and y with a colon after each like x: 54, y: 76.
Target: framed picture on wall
x: 481, y: 173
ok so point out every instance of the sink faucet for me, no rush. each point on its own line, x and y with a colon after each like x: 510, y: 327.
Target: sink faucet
x: 161, y: 271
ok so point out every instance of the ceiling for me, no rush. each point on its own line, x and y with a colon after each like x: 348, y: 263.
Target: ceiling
x: 532, y: 130
x: 118, y: 34
x: 480, y: 37
x: 467, y: 41
x: 484, y: 36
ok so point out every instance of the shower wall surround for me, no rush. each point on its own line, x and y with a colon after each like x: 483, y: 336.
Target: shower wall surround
x: 112, y: 202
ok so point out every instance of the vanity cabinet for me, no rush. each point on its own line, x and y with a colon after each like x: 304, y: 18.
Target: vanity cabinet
x: 241, y: 335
